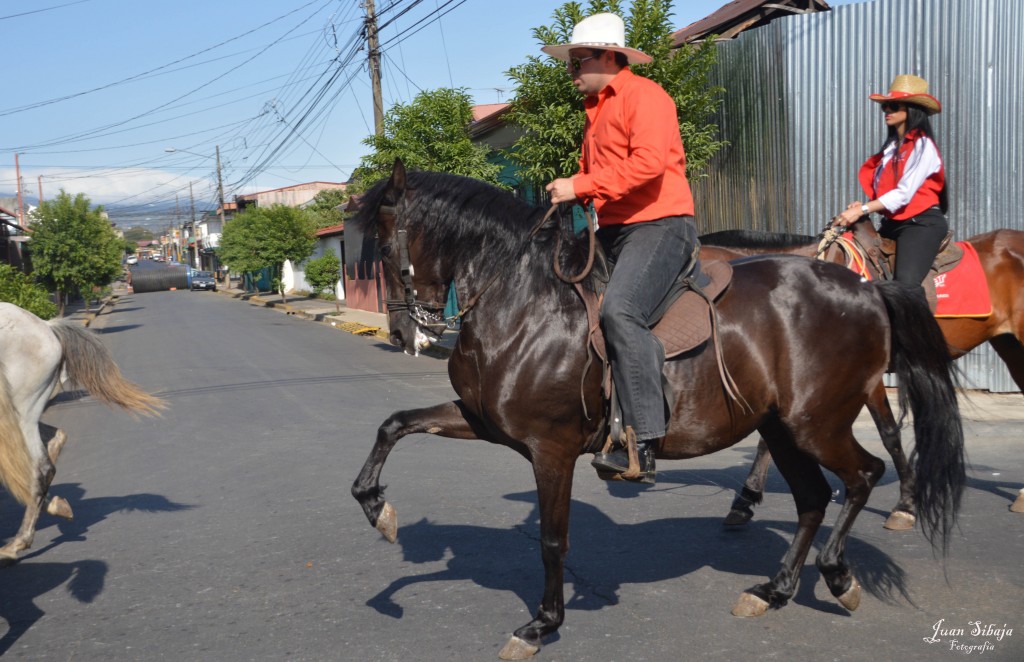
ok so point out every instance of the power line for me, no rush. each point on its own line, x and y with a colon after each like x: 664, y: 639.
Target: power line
x: 144, y: 74
x: 39, y: 11
x: 92, y: 132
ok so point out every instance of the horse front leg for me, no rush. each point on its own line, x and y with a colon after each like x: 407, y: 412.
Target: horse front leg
x: 553, y: 472
x: 450, y: 419
x: 742, y: 510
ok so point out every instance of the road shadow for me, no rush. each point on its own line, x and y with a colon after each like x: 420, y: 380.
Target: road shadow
x: 606, y: 555
x: 1004, y: 489
x: 24, y: 582
x: 118, y: 329
x: 88, y: 512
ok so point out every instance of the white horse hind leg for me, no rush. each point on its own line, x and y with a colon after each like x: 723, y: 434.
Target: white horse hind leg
x: 44, y: 473
x: 57, y: 506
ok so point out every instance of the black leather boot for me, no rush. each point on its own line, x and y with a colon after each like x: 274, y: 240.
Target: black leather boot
x: 617, y: 462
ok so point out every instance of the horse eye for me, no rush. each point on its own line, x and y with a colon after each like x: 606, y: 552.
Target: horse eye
x: 385, y: 250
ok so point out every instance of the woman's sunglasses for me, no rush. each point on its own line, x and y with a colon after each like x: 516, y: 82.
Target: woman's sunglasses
x: 576, y: 63
x: 892, y: 107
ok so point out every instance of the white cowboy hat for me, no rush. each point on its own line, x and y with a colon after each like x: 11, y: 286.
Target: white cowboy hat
x: 604, y: 32
x: 906, y: 88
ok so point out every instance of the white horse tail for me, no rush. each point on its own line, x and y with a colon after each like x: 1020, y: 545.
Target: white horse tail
x: 15, y: 464
x: 89, y: 364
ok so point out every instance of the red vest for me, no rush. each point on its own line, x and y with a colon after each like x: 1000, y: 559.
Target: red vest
x: 924, y: 198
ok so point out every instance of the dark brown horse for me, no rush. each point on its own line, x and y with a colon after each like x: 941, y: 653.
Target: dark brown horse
x: 1002, y: 257
x: 521, y: 361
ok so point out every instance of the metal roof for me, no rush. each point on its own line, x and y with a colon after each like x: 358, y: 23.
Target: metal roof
x: 733, y: 18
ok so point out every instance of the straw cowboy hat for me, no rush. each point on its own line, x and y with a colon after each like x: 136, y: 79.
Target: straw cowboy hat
x: 604, y: 32
x: 910, y: 89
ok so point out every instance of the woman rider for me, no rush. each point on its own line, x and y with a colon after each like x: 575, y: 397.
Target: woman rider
x: 905, y: 181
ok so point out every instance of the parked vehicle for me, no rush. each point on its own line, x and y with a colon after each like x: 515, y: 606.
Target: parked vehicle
x: 132, y: 259
x: 203, y: 280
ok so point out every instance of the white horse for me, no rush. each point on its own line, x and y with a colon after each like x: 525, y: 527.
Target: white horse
x: 33, y: 355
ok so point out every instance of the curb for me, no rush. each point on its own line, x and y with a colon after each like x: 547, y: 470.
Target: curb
x: 327, y: 319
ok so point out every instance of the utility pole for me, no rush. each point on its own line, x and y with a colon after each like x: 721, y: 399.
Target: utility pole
x: 40, y: 189
x: 223, y: 222
x: 195, y: 230
x: 177, y: 228
x: 374, y: 53
x: 21, y: 206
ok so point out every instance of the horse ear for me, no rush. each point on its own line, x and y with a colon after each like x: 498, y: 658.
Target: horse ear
x: 398, y: 176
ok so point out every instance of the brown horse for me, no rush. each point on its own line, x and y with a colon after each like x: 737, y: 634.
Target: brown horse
x: 1002, y: 257
x: 522, y: 371
x: 34, y: 355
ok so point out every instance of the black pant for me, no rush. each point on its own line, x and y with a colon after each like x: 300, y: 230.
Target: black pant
x: 917, y: 243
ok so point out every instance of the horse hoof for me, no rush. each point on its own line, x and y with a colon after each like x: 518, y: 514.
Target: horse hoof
x: 1018, y: 505
x: 737, y: 517
x: 517, y: 649
x: 7, y: 559
x: 749, y: 605
x: 387, y: 523
x: 851, y: 599
x: 59, y: 507
x: 900, y: 520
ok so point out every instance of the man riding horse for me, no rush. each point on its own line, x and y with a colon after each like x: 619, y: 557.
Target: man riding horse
x: 633, y: 172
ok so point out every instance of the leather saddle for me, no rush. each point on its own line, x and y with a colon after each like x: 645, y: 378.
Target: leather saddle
x: 879, y: 255
x: 686, y: 321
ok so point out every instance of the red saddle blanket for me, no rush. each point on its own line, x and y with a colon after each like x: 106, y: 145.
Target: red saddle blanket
x: 963, y: 291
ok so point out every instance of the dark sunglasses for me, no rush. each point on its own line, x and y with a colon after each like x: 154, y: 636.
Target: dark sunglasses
x: 892, y: 107
x: 576, y: 63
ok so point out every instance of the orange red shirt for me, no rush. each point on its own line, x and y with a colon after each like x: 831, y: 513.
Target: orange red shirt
x: 633, y: 166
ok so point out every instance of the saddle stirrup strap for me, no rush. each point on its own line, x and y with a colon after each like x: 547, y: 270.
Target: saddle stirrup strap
x: 629, y: 440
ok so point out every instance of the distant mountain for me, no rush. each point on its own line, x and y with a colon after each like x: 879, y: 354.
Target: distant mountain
x: 26, y: 200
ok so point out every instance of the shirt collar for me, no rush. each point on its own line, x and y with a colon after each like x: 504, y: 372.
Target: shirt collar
x: 614, y: 86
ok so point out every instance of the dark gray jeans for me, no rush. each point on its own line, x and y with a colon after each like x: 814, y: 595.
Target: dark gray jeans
x: 647, y: 258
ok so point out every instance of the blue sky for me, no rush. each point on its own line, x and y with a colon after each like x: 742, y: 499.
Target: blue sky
x: 96, y: 91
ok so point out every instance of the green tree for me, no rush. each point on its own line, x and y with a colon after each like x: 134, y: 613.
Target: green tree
x: 323, y: 273
x: 73, y: 246
x: 324, y: 207
x: 261, y: 238
x: 431, y: 133
x: 550, y: 109
x: 17, y: 288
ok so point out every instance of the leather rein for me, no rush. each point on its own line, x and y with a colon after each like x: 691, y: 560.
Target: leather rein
x: 428, y: 314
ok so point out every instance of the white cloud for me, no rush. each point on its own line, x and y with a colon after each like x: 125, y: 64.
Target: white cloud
x: 123, y: 186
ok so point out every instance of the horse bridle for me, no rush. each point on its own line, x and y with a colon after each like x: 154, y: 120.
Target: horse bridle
x: 428, y: 314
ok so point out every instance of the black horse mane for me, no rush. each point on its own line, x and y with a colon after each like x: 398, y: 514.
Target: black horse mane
x: 465, y: 218
x: 755, y: 239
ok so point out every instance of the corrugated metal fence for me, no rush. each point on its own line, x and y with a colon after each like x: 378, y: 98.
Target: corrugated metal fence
x: 799, y: 123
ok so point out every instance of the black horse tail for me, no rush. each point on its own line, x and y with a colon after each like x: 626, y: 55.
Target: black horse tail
x: 920, y: 359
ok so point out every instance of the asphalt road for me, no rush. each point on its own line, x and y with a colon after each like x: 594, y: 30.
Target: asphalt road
x: 226, y: 529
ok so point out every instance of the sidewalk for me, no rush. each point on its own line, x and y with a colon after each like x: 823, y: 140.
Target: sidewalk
x: 351, y: 320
